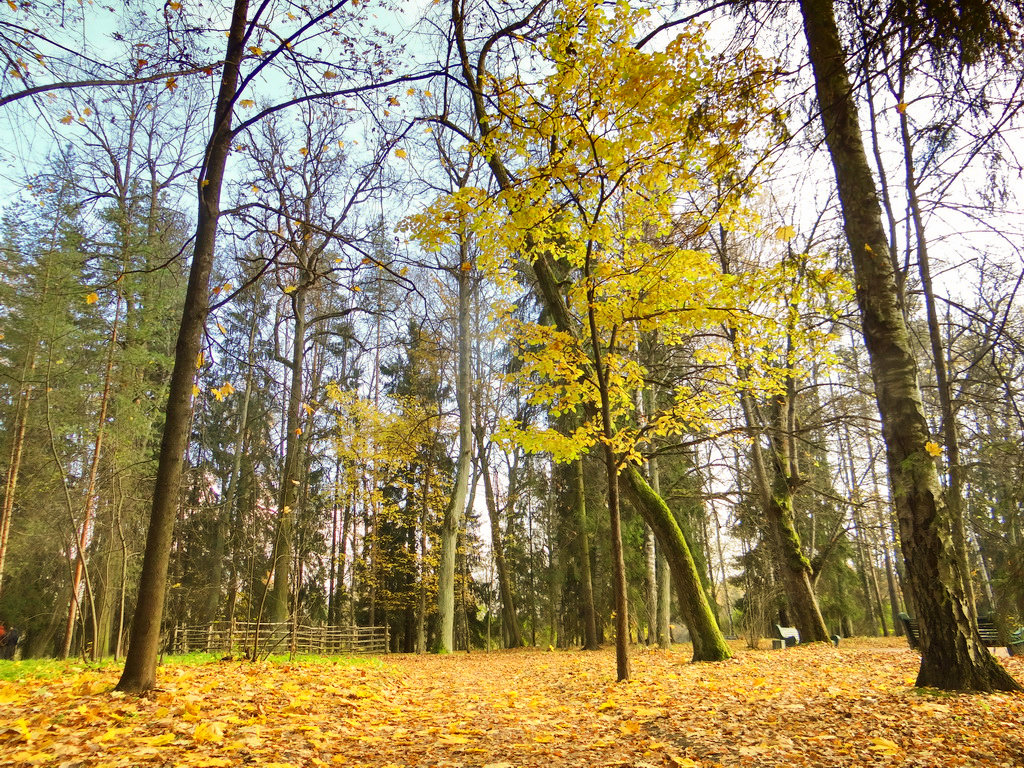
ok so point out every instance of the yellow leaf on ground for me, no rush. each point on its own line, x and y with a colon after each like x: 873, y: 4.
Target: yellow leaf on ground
x: 884, y: 746
x: 155, y: 741
x: 208, y: 732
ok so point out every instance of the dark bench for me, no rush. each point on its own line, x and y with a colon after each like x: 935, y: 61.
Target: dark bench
x: 986, y: 628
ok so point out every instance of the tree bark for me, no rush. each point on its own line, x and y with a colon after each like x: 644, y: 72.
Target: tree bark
x: 139, y: 672
x: 509, y: 617
x: 456, y: 505
x: 708, y: 641
x: 953, y: 656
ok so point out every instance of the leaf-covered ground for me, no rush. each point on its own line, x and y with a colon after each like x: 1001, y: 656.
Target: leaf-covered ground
x: 805, y: 706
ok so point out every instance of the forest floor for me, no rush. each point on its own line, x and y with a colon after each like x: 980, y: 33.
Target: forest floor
x: 804, y: 706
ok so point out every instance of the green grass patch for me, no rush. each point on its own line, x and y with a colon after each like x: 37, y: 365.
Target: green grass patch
x: 49, y: 669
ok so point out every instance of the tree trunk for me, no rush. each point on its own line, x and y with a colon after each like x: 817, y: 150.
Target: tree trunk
x: 953, y: 656
x: 456, y: 505
x: 139, y: 672
x: 90, y: 491
x: 708, y: 642
x: 288, y: 496
x: 509, y: 617
x: 14, y: 458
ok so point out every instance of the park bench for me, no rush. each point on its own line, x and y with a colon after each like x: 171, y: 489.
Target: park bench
x: 986, y: 628
x: 789, y: 636
x: 785, y: 637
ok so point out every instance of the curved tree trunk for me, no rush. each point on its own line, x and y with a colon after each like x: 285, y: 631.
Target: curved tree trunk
x: 953, y: 656
x: 708, y: 642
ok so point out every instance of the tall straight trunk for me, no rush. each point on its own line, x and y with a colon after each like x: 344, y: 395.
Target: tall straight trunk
x: 17, y: 433
x: 509, y: 617
x: 570, y: 499
x: 651, y: 584
x: 949, y: 432
x: 288, y: 495
x: 454, y: 510
x: 421, y: 565
x: 953, y: 656
x: 223, y: 520
x: 663, y: 573
x: 849, y: 470
x: 611, y: 463
x: 90, y: 490
x: 139, y: 672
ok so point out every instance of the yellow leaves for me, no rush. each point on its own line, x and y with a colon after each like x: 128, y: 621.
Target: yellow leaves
x: 901, y: 107
x: 785, y: 233
x: 174, y: 6
x: 223, y: 391
x: 290, y: 289
x: 304, y: 151
x: 255, y: 50
x: 393, y: 101
x: 32, y: 758
x: 200, y: 359
x: 222, y: 288
x: 401, y: 153
x: 933, y: 448
x: 92, y: 298
x: 208, y: 732
x: 330, y: 74
x: 12, y: 5
x: 113, y: 734
x: 159, y: 740
x: 884, y: 746
x: 247, y: 103
x: 171, y: 84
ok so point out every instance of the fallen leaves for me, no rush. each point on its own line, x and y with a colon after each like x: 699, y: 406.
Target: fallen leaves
x: 806, y: 706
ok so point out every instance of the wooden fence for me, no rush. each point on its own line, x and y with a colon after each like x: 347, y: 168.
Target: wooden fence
x: 261, y: 638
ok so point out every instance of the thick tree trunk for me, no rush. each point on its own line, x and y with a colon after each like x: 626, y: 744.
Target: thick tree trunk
x: 139, y: 672
x: 708, y: 642
x: 953, y: 656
